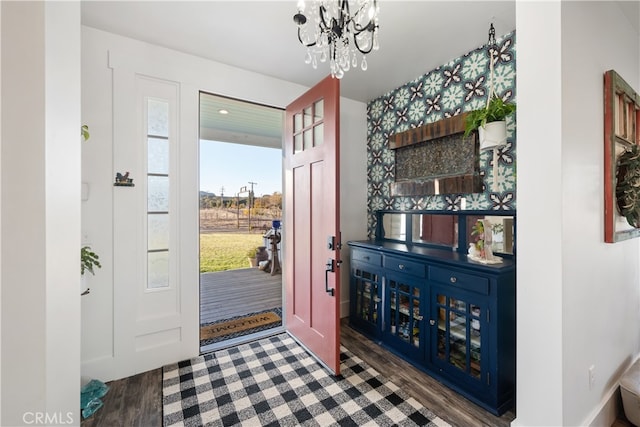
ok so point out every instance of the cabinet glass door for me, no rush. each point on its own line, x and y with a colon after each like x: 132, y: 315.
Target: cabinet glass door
x: 405, y: 314
x: 367, y: 295
x: 459, y: 338
x: 365, y: 304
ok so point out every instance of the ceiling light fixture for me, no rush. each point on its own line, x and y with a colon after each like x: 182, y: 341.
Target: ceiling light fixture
x: 330, y: 31
x: 223, y: 111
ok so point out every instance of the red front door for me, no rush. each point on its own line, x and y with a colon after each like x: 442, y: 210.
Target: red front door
x: 311, y: 222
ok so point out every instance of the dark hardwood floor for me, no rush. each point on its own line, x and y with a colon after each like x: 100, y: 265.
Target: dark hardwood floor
x: 137, y: 400
x: 131, y: 402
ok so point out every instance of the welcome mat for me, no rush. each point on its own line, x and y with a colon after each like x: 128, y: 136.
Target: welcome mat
x: 275, y: 382
x: 239, y: 325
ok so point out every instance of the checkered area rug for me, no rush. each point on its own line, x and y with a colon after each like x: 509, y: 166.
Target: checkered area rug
x: 275, y: 382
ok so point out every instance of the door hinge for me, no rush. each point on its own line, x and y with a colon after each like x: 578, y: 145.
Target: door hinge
x: 488, y: 315
x: 488, y: 378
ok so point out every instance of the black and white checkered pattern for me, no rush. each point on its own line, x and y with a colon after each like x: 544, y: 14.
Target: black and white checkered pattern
x: 275, y: 382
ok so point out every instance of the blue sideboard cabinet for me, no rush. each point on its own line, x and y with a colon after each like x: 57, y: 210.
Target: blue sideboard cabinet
x: 426, y: 301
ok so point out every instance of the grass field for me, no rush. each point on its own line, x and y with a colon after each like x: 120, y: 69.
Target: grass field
x: 226, y: 251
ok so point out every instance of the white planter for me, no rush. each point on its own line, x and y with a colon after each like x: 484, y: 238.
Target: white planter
x: 493, y: 135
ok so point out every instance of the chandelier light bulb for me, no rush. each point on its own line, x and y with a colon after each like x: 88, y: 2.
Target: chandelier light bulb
x: 335, y: 31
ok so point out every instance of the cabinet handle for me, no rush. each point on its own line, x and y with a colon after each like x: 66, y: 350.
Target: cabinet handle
x: 401, y: 266
x: 366, y: 257
x: 453, y: 279
x: 432, y: 322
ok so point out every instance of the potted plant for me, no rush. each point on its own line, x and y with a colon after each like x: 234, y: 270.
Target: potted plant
x: 251, y: 254
x: 89, y: 260
x: 490, y: 122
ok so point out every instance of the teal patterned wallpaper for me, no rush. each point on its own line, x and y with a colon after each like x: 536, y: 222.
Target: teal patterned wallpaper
x: 456, y: 87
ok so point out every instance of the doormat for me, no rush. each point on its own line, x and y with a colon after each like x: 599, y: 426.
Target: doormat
x: 239, y: 326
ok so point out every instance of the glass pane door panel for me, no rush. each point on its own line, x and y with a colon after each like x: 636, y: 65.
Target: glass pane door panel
x: 297, y: 143
x: 158, y: 155
x: 158, y: 232
x: 459, y: 341
x: 158, y: 270
x: 319, y: 110
x: 308, y: 139
x: 393, y: 314
x: 405, y: 315
x: 308, y: 118
x: 318, y: 135
x: 157, y: 118
x: 158, y: 194
x: 297, y: 122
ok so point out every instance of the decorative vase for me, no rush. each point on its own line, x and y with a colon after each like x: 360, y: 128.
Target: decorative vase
x: 493, y: 135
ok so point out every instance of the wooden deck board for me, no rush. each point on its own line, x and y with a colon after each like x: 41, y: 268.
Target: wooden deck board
x: 231, y: 293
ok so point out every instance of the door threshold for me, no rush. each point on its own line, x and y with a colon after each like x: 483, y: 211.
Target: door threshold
x: 232, y: 342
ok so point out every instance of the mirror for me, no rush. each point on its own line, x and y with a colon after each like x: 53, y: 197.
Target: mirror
x: 501, y: 232
x: 435, y: 229
x: 394, y: 226
x: 444, y: 229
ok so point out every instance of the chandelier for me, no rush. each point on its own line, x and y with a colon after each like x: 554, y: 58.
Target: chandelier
x: 336, y: 31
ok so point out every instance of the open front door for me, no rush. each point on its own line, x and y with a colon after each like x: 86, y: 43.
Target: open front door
x: 312, y: 221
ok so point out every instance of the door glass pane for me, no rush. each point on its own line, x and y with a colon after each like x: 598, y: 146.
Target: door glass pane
x: 308, y: 118
x: 457, y: 304
x: 157, y: 118
x: 158, y: 232
x: 319, y: 110
x: 393, y: 313
x: 442, y: 333
x: 376, y: 301
x: 158, y: 269
x: 297, y: 143
x: 297, y: 122
x: 476, y: 343
x: 158, y: 194
x: 458, y: 340
x: 415, y: 336
x: 158, y: 155
x: 308, y: 139
x: 318, y: 135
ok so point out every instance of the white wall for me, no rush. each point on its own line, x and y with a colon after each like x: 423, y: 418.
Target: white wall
x: 578, y: 297
x: 601, y: 292
x: 99, y: 357
x: 40, y: 199
x: 353, y: 185
x: 539, y: 397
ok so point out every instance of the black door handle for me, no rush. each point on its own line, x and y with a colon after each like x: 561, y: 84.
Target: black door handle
x: 329, y: 268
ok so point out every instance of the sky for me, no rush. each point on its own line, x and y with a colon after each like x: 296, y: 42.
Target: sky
x: 233, y: 166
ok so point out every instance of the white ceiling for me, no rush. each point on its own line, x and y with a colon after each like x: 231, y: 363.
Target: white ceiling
x: 415, y: 36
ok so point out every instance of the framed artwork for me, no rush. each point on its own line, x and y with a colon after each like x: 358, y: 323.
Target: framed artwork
x: 621, y: 160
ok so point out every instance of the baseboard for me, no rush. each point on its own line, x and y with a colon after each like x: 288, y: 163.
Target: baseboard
x: 608, y: 411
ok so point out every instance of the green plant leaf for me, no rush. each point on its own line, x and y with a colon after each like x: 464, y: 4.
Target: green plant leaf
x: 496, y: 111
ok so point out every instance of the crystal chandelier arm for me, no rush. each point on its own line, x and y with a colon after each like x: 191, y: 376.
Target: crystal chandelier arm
x: 303, y: 43
x: 355, y: 41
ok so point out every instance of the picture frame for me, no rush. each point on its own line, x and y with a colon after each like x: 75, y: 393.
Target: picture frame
x: 621, y: 134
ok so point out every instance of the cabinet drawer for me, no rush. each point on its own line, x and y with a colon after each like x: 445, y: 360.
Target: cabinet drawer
x: 403, y: 265
x: 373, y: 258
x: 466, y: 281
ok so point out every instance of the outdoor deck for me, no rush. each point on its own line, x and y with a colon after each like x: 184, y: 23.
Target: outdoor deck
x: 231, y: 293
